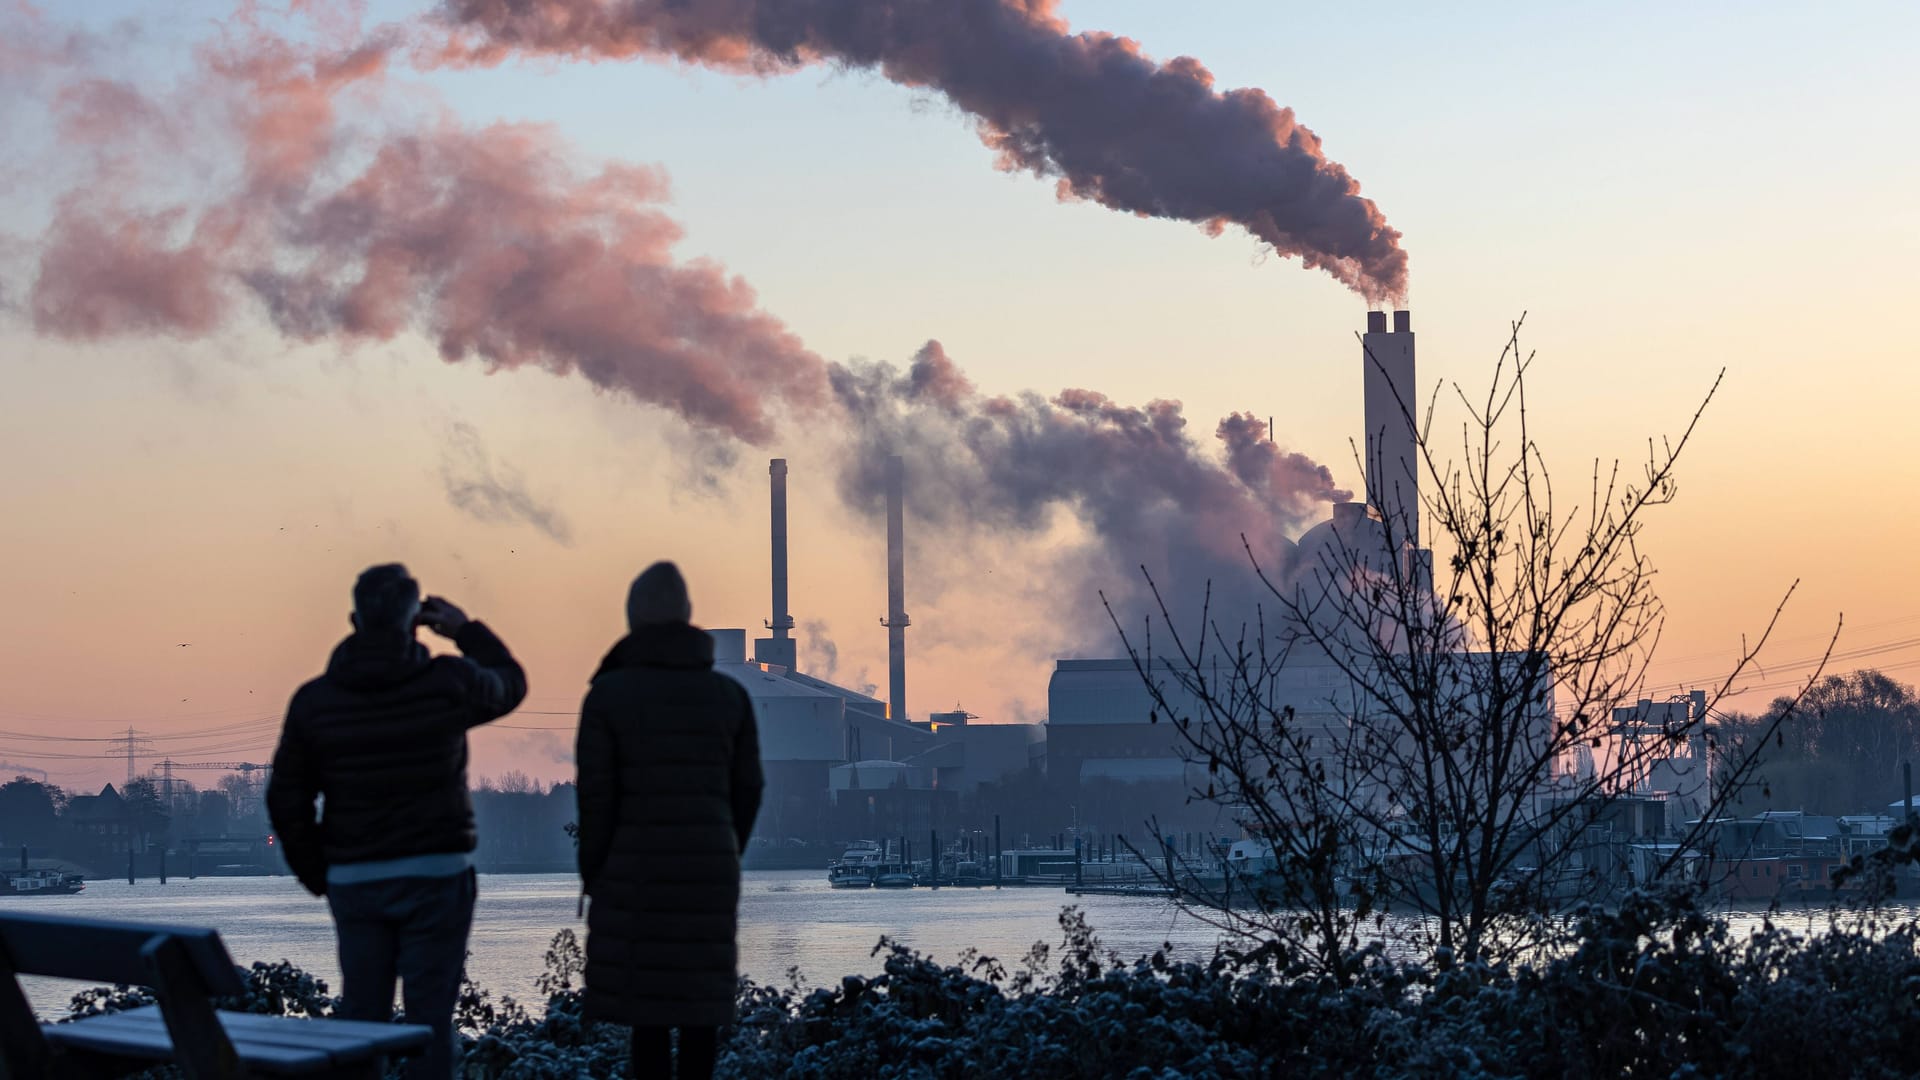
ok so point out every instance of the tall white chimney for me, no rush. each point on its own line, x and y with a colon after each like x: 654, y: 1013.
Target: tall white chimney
x: 1392, y: 403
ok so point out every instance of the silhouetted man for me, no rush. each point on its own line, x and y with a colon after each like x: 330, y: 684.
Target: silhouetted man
x: 381, y: 741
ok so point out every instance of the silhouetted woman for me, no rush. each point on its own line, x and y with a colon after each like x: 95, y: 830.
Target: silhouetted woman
x: 669, y: 769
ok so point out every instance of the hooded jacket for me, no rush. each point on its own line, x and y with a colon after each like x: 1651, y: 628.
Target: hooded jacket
x: 382, y: 737
x: 670, y: 783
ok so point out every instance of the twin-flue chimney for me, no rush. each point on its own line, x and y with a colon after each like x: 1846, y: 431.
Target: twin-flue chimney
x: 1391, y: 393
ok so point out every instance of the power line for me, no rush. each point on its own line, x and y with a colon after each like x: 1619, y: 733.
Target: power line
x: 1765, y: 670
x: 1729, y: 655
x: 244, y: 738
x: 1796, y: 683
x: 256, y: 724
x: 42, y: 755
x: 133, y: 742
x: 170, y: 716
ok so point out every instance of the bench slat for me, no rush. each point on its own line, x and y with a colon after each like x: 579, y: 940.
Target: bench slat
x: 344, y: 1036
x: 109, y: 951
x: 147, y: 1042
x: 186, y: 967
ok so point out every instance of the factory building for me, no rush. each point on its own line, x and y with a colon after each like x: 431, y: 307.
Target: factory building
x: 966, y: 757
x: 1101, y: 742
x: 802, y: 735
x: 1112, y: 744
x: 841, y: 764
x: 1677, y: 770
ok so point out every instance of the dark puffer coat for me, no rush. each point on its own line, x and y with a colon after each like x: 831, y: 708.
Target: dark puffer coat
x: 669, y: 760
x: 383, y: 735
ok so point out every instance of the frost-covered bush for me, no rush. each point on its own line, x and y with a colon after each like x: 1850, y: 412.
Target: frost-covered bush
x: 272, y: 990
x: 1088, y: 1015
x: 1652, y: 988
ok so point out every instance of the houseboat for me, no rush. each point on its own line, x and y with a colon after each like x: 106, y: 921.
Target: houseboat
x: 40, y: 883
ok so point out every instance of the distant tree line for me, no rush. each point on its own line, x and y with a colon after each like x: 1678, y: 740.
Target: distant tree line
x: 98, y: 830
x: 522, y: 823
x: 30, y: 813
x: 1843, y: 755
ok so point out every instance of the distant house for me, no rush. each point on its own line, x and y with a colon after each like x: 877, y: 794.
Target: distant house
x: 99, y: 823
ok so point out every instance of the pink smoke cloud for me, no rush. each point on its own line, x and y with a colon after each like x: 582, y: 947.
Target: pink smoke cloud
x: 108, y: 272
x: 1288, y: 482
x: 490, y: 242
x: 1090, y: 109
x: 495, y: 245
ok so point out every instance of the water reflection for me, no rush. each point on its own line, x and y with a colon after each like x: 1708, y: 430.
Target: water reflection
x: 788, y: 919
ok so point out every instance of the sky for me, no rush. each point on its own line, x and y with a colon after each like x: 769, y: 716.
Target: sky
x: 1664, y: 193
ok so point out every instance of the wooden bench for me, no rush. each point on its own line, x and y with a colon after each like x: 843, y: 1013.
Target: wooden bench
x: 186, y: 968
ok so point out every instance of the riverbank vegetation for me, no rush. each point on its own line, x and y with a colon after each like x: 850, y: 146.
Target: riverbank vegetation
x: 1654, y: 987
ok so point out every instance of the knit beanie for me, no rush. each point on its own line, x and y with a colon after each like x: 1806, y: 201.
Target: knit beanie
x: 659, y: 595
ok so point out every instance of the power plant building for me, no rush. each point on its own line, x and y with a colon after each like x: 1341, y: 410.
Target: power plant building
x: 831, y: 753
x: 1100, y: 711
x: 844, y: 764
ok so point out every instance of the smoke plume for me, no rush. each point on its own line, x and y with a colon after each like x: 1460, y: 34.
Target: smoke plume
x: 1089, y: 109
x: 1008, y: 462
x: 473, y: 485
x: 1134, y: 475
x: 495, y: 245
x: 489, y: 242
x: 823, y: 656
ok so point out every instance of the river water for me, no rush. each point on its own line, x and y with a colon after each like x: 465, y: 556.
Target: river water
x: 788, y: 919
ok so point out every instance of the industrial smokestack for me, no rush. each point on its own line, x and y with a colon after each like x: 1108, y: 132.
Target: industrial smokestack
x: 1392, y: 396
x: 779, y: 649
x: 896, y: 621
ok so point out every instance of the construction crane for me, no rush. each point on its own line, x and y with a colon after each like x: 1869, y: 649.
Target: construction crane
x: 245, y: 768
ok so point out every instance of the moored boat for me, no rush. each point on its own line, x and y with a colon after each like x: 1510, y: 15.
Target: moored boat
x: 893, y: 876
x: 40, y: 883
x: 856, y: 866
x: 846, y: 876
